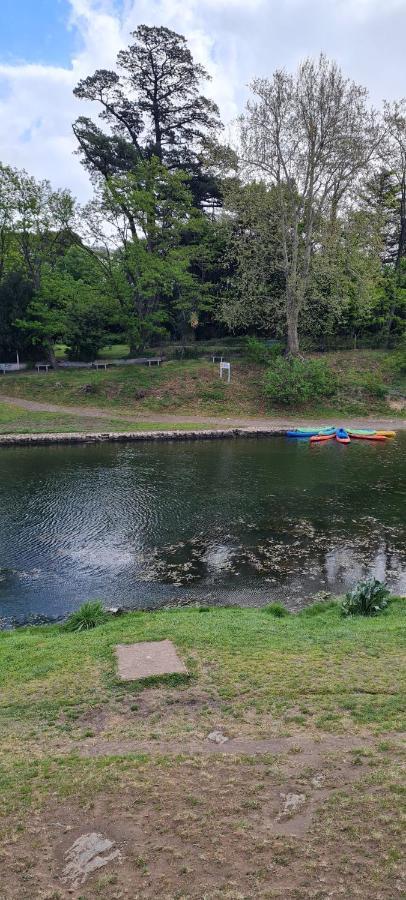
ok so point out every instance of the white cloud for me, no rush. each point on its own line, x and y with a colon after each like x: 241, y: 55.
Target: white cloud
x: 234, y: 39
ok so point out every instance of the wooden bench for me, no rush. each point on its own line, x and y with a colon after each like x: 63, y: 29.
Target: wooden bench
x: 40, y: 366
x: 148, y: 361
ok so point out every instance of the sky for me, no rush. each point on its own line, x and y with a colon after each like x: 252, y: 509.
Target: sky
x: 46, y: 46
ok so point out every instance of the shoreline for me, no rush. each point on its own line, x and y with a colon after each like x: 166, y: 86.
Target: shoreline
x: 81, y: 437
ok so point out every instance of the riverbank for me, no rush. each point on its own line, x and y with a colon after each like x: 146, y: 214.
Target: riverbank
x: 299, y: 795
x: 31, y: 422
x: 191, y: 391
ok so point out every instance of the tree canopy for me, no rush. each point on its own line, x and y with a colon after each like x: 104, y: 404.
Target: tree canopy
x: 299, y: 233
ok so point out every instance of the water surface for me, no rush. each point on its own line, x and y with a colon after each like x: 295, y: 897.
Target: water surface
x: 244, y: 521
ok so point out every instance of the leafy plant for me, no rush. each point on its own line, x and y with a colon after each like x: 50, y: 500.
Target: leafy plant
x: 257, y: 351
x: 278, y: 610
x: 368, y: 598
x: 89, y: 615
x: 291, y: 380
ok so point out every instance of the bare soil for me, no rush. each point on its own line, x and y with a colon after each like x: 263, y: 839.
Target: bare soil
x: 243, y: 820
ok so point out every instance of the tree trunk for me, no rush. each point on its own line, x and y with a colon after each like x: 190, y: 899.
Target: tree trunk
x: 292, y: 321
x: 51, y: 356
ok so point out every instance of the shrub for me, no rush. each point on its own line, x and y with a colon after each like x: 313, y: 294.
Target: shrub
x: 275, y: 350
x: 89, y: 615
x: 292, y: 381
x: 397, y: 362
x: 365, y: 383
x: 257, y: 351
x: 278, y: 610
x: 368, y: 598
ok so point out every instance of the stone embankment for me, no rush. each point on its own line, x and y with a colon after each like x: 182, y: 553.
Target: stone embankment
x: 79, y: 437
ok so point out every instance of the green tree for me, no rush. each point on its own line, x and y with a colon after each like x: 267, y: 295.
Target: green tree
x: 253, y: 300
x: 153, y: 108
x: 139, y: 230
x: 311, y: 136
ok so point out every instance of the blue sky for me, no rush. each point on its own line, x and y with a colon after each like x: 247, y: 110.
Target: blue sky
x: 46, y: 46
x: 37, y: 31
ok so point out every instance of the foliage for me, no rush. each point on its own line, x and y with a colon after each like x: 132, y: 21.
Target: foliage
x: 277, y: 610
x: 368, y: 598
x: 302, y: 238
x: 292, y: 381
x: 89, y: 615
x: 153, y: 108
x: 253, y: 298
x: 263, y: 352
x: 310, y: 136
x: 257, y: 351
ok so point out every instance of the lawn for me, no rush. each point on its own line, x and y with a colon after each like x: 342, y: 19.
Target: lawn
x: 16, y: 420
x: 316, y: 701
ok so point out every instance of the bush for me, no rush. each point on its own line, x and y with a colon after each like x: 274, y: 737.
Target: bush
x: 262, y: 352
x: 368, y: 598
x: 365, y: 383
x: 275, y: 350
x: 89, y: 615
x: 398, y: 360
x: 278, y: 610
x: 293, y: 381
x: 257, y: 351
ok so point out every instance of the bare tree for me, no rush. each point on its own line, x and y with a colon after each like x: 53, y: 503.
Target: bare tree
x: 311, y: 135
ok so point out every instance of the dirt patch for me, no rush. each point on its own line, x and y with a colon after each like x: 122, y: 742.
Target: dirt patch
x: 216, y: 827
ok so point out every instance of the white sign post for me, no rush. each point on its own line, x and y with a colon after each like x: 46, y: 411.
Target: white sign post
x: 225, y: 367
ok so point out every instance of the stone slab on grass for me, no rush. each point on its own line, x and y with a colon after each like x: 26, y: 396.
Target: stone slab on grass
x: 147, y: 659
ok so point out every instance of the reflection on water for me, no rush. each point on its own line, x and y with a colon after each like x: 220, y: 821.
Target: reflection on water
x: 245, y: 521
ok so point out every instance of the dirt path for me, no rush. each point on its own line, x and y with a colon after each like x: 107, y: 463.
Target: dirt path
x: 271, y: 422
x: 306, y: 747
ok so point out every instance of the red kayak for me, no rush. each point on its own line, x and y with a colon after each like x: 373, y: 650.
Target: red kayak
x: 321, y: 437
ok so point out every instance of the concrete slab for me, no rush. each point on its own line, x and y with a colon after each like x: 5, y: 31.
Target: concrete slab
x: 146, y: 659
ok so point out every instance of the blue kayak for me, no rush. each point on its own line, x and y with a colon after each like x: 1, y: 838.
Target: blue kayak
x: 309, y: 432
x: 342, y: 436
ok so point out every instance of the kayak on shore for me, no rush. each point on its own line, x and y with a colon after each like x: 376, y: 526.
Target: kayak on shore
x: 342, y: 436
x: 310, y: 432
x: 366, y: 432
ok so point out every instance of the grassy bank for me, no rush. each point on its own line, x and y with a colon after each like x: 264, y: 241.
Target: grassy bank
x: 16, y: 420
x: 81, y: 749
x: 193, y: 387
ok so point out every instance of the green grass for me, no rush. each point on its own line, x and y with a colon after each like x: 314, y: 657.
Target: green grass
x: 193, y: 387
x: 15, y: 420
x: 348, y: 673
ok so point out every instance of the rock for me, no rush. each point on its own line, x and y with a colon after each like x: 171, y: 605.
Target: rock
x: 291, y: 804
x: 217, y: 737
x: 318, y: 780
x: 89, y: 853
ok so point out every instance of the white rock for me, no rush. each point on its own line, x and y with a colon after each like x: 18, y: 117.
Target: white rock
x: 291, y: 803
x: 217, y: 737
x: 89, y: 853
